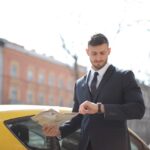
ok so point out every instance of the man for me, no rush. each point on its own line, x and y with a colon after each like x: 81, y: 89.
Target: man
x: 105, y: 101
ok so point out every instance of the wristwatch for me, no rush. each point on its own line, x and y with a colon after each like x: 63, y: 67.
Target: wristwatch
x: 99, y: 107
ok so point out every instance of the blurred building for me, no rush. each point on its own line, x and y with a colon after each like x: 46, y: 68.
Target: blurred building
x: 29, y: 78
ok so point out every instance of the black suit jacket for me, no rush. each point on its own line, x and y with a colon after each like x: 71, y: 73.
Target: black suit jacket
x: 122, y: 99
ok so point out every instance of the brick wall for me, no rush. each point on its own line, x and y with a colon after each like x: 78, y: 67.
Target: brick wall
x: 44, y: 69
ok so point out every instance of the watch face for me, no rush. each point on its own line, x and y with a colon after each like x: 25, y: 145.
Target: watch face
x: 99, y: 107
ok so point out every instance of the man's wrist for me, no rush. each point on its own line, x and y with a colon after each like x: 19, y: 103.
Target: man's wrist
x: 100, y: 108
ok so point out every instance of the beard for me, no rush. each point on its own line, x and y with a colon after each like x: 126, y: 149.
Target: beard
x: 98, y: 65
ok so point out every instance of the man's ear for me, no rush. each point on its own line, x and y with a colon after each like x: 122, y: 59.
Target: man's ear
x: 109, y: 50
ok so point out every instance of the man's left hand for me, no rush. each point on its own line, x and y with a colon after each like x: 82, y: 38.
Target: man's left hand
x: 88, y: 107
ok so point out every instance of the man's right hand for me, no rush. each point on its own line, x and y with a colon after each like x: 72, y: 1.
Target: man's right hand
x: 51, y: 130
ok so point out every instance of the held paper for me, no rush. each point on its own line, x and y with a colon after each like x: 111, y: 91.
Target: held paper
x: 53, y: 117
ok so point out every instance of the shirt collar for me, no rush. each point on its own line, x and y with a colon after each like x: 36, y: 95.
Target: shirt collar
x: 100, y: 71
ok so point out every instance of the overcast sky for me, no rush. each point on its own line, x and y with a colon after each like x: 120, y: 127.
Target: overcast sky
x: 38, y: 24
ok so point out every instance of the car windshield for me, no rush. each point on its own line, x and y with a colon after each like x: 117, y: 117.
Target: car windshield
x: 30, y: 134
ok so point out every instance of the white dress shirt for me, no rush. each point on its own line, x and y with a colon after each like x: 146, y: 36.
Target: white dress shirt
x: 101, y: 73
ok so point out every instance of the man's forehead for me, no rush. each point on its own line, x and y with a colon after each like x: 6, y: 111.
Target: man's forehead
x: 99, y: 48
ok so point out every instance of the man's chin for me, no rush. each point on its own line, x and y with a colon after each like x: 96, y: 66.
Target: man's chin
x: 98, y: 66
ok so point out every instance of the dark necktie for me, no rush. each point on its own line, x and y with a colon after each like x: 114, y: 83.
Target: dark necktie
x: 93, y: 84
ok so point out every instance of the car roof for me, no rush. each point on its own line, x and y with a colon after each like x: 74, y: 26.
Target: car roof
x: 23, y: 107
x: 14, y: 111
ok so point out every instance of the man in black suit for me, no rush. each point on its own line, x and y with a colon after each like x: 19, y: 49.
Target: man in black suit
x: 105, y: 101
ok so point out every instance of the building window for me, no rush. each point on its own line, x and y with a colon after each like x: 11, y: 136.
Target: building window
x: 51, y: 98
x: 51, y: 80
x: 13, y: 95
x: 70, y: 85
x: 14, y: 69
x: 41, y: 98
x: 41, y: 78
x: 29, y: 74
x: 60, y: 101
x: 30, y: 98
x: 60, y: 83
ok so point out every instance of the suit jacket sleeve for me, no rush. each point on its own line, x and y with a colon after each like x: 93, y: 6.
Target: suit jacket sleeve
x: 133, y: 104
x: 75, y: 123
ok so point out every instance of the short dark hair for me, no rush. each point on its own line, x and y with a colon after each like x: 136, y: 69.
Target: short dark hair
x: 98, y: 39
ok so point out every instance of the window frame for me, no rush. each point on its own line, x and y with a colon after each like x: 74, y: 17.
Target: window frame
x: 51, y: 141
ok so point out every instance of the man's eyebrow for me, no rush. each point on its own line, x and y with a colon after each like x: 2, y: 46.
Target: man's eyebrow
x: 104, y: 50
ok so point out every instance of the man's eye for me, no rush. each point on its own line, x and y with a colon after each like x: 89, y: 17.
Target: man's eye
x: 94, y: 53
x: 103, y: 53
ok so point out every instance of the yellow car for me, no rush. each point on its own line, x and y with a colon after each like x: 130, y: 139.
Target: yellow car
x: 19, y: 132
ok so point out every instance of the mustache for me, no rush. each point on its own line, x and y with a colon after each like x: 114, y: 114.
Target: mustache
x: 98, y: 61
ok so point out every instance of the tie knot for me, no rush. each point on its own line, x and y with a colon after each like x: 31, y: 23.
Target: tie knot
x: 96, y: 74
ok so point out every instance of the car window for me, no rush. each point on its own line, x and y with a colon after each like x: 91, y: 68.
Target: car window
x: 30, y: 134
x: 136, y: 144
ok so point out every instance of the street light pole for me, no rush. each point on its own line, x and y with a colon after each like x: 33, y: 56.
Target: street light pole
x: 75, y: 57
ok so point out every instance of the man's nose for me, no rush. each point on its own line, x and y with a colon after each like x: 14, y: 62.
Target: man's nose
x: 98, y: 57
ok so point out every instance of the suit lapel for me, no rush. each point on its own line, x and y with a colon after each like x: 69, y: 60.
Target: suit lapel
x: 103, y: 82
